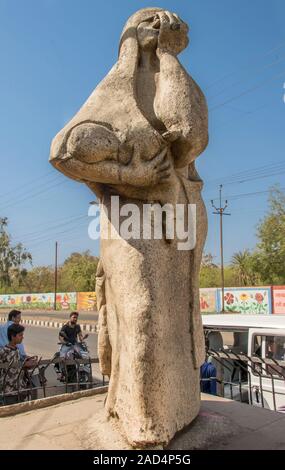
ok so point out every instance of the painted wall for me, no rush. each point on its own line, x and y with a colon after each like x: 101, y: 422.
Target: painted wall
x: 246, y: 300
x: 208, y: 300
x: 259, y: 300
x: 278, y: 297
x: 65, y: 301
x: 86, y: 301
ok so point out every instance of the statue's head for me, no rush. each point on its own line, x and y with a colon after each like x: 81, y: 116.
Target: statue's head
x: 157, y: 28
x: 165, y: 30
x: 148, y: 32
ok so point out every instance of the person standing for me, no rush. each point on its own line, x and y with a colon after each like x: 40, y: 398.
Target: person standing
x: 12, y: 381
x: 15, y: 317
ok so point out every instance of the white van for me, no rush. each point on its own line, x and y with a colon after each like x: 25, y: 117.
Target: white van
x: 257, y: 375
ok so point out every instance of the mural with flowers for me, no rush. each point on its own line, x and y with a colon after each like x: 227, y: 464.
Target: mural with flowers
x: 208, y: 300
x: 248, y: 300
x: 39, y: 301
x: 237, y: 300
x: 86, y: 301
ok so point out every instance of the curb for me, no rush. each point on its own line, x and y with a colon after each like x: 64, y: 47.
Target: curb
x: 18, y: 408
x: 53, y: 324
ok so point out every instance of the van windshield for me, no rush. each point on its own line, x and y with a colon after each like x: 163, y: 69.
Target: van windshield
x: 235, y: 341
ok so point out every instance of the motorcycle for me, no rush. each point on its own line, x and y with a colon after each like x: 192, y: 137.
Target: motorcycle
x: 74, y: 373
x: 32, y: 375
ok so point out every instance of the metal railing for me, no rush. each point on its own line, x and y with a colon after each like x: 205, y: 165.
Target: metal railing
x: 252, y: 380
x: 31, y: 384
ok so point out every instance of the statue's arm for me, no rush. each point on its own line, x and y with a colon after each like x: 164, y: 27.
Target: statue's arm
x: 135, y: 173
x: 92, y: 153
x: 181, y: 106
x: 108, y: 172
x: 88, y: 152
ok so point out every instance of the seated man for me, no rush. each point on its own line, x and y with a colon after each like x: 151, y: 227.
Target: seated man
x: 13, y: 317
x: 12, y: 378
x: 71, y: 331
x: 69, y: 335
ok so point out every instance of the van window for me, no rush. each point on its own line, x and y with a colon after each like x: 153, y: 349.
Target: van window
x: 275, y: 347
x: 269, y: 347
x: 236, y: 341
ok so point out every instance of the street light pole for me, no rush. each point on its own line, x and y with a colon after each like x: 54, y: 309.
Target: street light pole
x: 221, y: 212
x: 55, y: 274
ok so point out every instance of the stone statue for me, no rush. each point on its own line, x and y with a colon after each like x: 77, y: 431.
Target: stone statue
x: 137, y: 137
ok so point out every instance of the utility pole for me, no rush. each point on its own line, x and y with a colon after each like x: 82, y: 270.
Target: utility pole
x: 55, y: 274
x: 221, y: 212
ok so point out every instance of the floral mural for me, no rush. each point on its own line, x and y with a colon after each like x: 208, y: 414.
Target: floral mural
x: 208, y: 300
x: 237, y: 300
x: 39, y: 301
x: 86, y: 301
x: 248, y: 300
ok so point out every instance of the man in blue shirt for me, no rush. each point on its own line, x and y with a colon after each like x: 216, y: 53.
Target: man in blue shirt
x: 209, y: 373
x: 13, y: 317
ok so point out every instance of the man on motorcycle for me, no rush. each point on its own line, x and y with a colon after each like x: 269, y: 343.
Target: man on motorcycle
x: 71, y: 331
x: 72, y: 346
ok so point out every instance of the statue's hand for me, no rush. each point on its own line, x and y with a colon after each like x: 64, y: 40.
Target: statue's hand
x: 147, y: 173
x: 172, y: 33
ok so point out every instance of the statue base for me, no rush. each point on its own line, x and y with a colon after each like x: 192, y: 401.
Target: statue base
x: 82, y: 425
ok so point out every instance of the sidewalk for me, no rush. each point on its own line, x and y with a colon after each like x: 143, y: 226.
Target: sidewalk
x: 81, y: 424
x: 54, y: 319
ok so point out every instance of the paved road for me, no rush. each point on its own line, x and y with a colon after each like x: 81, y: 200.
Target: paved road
x: 91, y: 317
x: 43, y: 341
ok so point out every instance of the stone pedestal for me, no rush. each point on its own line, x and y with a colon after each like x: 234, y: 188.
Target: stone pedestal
x: 81, y: 425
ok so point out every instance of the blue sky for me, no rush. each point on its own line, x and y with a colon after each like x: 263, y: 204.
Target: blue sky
x: 53, y: 54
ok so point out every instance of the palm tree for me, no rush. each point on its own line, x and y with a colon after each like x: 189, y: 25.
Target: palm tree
x: 242, y: 262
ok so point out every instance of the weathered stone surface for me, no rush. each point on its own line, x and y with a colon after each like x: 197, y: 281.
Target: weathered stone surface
x: 82, y: 424
x: 137, y: 137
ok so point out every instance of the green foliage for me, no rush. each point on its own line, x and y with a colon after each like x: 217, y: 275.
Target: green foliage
x: 210, y: 276
x: 39, y: 279
x: 269, y: 258
x: 13, y: 260
x: 243, y: 262
x: 78, y: 273
x: 265, y: 265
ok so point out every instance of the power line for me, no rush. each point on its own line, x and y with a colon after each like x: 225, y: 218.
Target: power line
x: 20, y: 194
x: 244, y: 113
x: 250, y: 174
x: 33, y: 195
x: 266, y: 67
x: 242, y: 195
x: 51, y: 221
x: 41, y: 240
x: 245, y: 92
x: 36, y: 235
x: 45, y: 175
x: 245, y: 66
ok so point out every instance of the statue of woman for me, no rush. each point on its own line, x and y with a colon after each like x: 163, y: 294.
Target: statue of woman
x: 137, y: 137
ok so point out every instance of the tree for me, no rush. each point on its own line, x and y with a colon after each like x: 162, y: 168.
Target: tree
x: 269, y: 258
x: 39, y: 279
x: 12, y: 259
x: 78, y: 272
x: 209, y: 273
x: 208, y: 261
x: 242, y: 262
